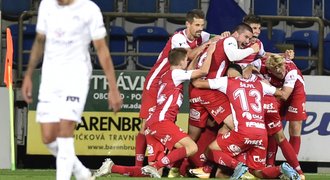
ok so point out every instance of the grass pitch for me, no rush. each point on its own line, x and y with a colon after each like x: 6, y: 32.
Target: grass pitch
x: 37, y: 174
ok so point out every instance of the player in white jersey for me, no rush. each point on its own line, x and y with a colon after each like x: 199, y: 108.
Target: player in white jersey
x: 65, y: 29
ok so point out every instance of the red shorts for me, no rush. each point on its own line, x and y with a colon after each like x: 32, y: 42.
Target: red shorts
x: 166, y: 132
x: 254, y: 145
x: 149, y: 100
x: 205, y: 102
x: 272, y: 116
x: 155, y: 149
x: 294, y: 108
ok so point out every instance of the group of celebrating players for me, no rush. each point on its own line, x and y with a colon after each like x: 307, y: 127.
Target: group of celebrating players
x: 238, y: 96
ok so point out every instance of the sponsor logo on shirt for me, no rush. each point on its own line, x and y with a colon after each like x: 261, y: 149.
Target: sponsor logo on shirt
x: 269, y: 106
x: 255, y: 125
x: 257, y: 142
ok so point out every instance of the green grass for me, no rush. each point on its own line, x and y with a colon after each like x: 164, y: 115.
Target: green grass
x: 36, y: 174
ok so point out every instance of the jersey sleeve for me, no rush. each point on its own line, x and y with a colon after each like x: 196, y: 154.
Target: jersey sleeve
x: 205, y: 36
x: 41, y: 21
x: 220, y: 84
x: 291, y: 78
x: 179, y: 76
x: 96, y: 25
x: 268, y: 89
x: 233, y: 52
x: 178, y: 40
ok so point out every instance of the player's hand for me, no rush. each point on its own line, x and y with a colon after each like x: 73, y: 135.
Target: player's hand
x: 215, y: 39
x: 114, y: 100
x: 211, y: 48
x: 289, y: 54
x: 225, y: 34
x: 255, y: 47
x: 27, y: 89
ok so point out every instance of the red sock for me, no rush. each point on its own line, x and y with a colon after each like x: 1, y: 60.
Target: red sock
x: 204, y: 140
x: 295, y: 143
x: 271, y: 151
x: 133, y: 171
x: 222, y: 158
x: 290, y: 155
x: 184, y: 167
x: 140, y: 149
x: 271, y: 172
x: 172, y: 157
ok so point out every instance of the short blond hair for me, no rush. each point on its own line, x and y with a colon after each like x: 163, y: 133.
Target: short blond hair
x: 274, y: 60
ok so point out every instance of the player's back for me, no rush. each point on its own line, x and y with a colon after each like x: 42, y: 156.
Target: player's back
x: 246, y: 97
x: 179, y: 39
x: 169, y: 99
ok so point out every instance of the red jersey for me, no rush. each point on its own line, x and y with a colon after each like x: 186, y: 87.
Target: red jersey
x: 170, y: 96
x: 249, y: 59
x: 246, y: 98
x: 179, y: 39
x: 292, y: 78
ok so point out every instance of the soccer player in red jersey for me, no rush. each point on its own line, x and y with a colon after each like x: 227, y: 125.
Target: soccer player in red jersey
x: 161, y: 130
x: 284, y: 74
x: 249, y: 134
x: 194, y: 40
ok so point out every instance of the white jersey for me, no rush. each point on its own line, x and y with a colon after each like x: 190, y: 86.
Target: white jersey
x: 69, y: 31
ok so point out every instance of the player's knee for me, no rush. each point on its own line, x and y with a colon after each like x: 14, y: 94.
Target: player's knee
x: 191, y: 149
x: 279, y: 137
x: 48, y: 138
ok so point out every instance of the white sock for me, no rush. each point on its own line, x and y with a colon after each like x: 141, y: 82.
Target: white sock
x: 77, y: 167
x: 65, y: 158
x: 53, y: 148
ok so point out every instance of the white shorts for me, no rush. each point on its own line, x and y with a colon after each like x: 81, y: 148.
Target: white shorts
x: 62, y: 102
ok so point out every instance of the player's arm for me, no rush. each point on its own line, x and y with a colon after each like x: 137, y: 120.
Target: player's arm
x: 35, y: 57
x: 204, y: 70
x: 285, y: 92
x: 288, y: 54
x: 201, y: 83
x: 234, y: 53
x: 103, y: 54
x: 282, y: 93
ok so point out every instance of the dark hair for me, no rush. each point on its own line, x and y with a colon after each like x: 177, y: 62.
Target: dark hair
x: 236, y: 67
x: 242, y: 27
x: 176, y: 55
x: 252, y: 19
x: 195, y: 13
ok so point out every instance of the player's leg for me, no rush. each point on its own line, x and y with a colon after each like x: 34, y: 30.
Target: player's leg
x: 295, y: 114
x: 295, y: 135
x: 148, y: 103
x: 66, y: 153
x: 140, y: 145
x: 287, y: 151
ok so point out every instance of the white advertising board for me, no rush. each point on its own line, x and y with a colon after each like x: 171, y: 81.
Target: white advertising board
x: 315, y: 139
